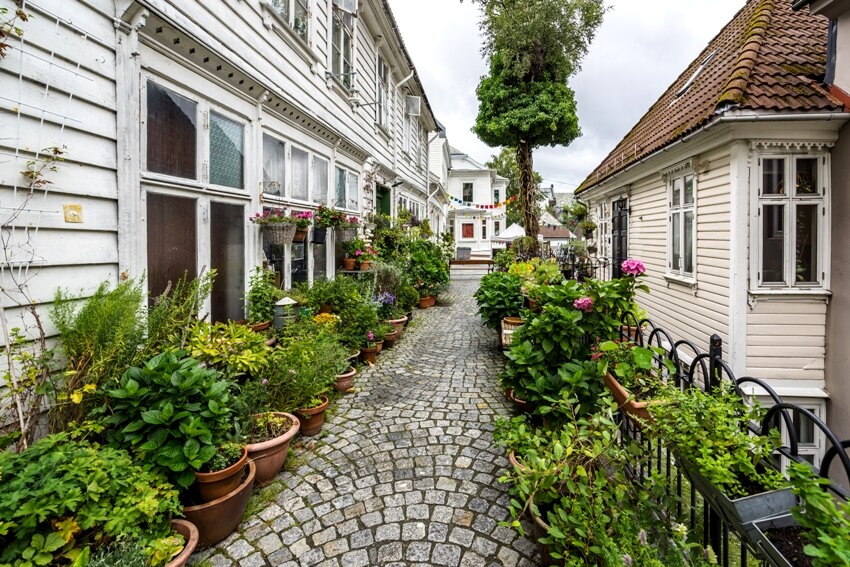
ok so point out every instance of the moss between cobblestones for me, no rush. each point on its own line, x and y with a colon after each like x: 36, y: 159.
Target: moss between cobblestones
x: 260, y: 499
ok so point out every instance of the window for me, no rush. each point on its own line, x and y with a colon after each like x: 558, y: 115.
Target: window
x: 496, y: 196
x: 467, y: 230
x: 274, y: 169
x: 484, y: 229
x: 467, y: 193
x: 227, y: 151
x: 603, y: 216
x: 346, y: 193
x: 294, y: 13
x: 172, y: 133
x: 342, y: 41
x: 682, y: 229
x: 791, y: 210
x: 406, y: 132
x: 496, y: 228
x: 320, y: 180
x: 382, y: 94
x: 300, y: 171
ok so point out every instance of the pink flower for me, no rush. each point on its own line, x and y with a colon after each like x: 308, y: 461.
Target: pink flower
x: 583, y: 304
x: 265, y: 381
x: 358, y: 253
x: 633, y: 267
x: 371, y: 336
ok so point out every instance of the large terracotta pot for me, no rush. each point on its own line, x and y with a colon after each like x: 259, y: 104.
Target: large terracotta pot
x: 313, y: 418
x: 349, y: 263
x: 391, y: 338
x: 398, y: 324
x: 427, y: 301
x: 190, y: 533
x: 270, y: 455
x: 369, y: 354
x: 214, y: 485
x: 625, y: 401
x: 345, y: 381
x: 218, y: 519
x: 539, y: 530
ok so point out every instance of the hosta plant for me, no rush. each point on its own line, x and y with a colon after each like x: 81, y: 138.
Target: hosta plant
x: 172, y: 412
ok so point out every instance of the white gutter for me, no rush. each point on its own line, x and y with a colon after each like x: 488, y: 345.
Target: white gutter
x: 404, y: 80
x: 825, y: 116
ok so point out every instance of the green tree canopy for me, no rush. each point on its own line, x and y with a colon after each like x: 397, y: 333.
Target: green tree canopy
x: 534, y: 46
x: 506, y: 166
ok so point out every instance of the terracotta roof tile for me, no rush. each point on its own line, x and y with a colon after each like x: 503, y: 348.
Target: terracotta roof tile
x: 555, y: 232
x: 766, y: 59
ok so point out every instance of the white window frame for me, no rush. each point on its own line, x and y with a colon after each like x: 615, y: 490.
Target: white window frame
x: 352, y: 193
x: 382, y: 93
x: 676, y: 213
x: 281, y: 190
x: 463, y: 188
x: 603, y: 222
x: 791, y: 201
x: 285, y: 9
x: 339, y: 31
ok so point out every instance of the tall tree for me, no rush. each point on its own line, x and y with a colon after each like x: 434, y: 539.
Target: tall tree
x: 534, y: 47
x: 506, y: 166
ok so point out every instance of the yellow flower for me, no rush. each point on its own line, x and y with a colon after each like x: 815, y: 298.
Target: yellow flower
x: 77, y: 396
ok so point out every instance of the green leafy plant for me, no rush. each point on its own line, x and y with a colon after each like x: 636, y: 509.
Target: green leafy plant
x: 227, y: 454
x: 826, y: 524
x: 232, y: 348
x: 65, y: 494
x: 352, y: 246
x: 172, y: 412
x: 504, y: 259
x: 339, y: 294
x: 355, y: 322
x: 407, y: 296
x: 499, y: 296
x: 427, y: 267
x: 724, y: 452
x: 261, y: 297
x: 639, y: 369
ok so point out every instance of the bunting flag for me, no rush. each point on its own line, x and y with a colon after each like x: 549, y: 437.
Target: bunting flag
x: 508, y: 201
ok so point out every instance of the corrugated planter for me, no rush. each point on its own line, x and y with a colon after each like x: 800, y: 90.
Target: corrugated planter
x: 190, y: 533
x: 218, y: 519
x: 270, y: 455
x: 214, y: 485
x: 313, y: 418
x: 738, y: 512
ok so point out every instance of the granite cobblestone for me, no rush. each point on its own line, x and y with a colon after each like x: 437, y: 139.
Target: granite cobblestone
x: 405, y: 471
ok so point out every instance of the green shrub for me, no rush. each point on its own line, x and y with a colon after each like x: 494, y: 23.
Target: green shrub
x: 826, y: 524
x: 427, y: 267
x: 261, y: 296
x: 499, y: 296
x: 64, y: 494
x: 172, y: 413
x: 231, y: 348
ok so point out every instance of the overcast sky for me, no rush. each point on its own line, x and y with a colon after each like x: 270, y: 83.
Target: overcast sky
x: 640, y: 49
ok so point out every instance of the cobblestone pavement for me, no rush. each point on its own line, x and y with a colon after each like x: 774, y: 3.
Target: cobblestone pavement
x: 405, y: 471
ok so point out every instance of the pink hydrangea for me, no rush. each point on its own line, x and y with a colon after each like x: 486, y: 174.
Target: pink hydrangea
x: 371, y: 336
x: 633, y: 267
x: 583, y: 304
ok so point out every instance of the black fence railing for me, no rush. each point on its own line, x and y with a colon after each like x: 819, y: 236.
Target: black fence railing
x: 737, y: 545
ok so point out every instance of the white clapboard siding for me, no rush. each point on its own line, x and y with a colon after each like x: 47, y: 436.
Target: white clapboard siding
x: 82, y: 280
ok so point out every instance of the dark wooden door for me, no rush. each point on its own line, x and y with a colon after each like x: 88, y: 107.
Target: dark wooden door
x: 619, y: 236
x: 172, y: 241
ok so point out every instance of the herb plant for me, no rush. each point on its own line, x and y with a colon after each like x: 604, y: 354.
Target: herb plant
x: 232, y: 348
x: 826, y: 523
x: 172, y: 412
x: 261, y: 296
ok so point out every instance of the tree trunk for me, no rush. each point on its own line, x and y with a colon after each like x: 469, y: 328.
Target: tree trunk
x: 527, y: 190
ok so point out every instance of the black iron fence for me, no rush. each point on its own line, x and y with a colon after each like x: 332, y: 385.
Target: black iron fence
x: 733, y: 543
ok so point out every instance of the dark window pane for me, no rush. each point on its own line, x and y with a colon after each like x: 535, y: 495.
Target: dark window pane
x: 227, y: 242
x: 320, y: 261
x: 299, y: 262
x: 689, y: 242
x: 773, y: 244
x: 677, y: 192
x: 676, y: 244
x: 171, y: 132
x: 172, y: 252
x: 773, y: 176
x: 807, y: 244
x: 689, y: 189
x: 340, y: 188
x: 807, y: 176
x: 226, y: 151
x: 274, y: 169
x: 468, y: 230
x: 467, y: 192
x: 320, y: 180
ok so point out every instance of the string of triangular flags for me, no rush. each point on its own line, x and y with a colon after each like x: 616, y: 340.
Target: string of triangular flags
x: 507, y: 201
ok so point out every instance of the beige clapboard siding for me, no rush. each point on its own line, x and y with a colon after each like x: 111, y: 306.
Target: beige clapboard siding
x: 786, y: 339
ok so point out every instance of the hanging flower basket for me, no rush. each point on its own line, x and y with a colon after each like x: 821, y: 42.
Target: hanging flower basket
x: 279, y: 233
x: 346, y: 234
x: 320, y: 233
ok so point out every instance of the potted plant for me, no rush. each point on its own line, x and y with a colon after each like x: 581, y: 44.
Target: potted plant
x: 370, y: 348
x: 365, y: 257
x: 223, y: 473
x: 345, y: 380
x: 218, y: 519
x: 632, y: 373
x: 498, y: 296
x: 407, y: 298
x: 729, y: 466
x: 302, y: 220
x: 428, y: 269
x: 277, y: 226
x: 351, y: 248
x: 269, y: 435
x: 234, y: 349
x: 261, y: 297
x: 347, y: 229
x: 326, y: 218
x: 587, y: 226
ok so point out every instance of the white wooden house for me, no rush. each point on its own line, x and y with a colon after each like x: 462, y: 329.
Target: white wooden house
x: 476, y: 209
x: 725, y: 189
x: 180, y: 120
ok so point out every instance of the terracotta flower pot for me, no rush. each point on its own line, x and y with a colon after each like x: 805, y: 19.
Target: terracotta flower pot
x: 218, y: 519
x: 427, y: 301
x: 214, y: 485
x: 300, y: 235
x: 325, y: 308
x: 365, y: 265
x: 190, y: 533
x: 539, y: 530
x: 270, y: 455
x: 380, y: 345
x: 313, y: 418
x: 259, y: 327
x: 522, y: 405
x: 345, y: 381
x: 391, y: 338
x: 625, y: 401
x: 349, y: 263
x: 399, y: 324
x: 369, y: 354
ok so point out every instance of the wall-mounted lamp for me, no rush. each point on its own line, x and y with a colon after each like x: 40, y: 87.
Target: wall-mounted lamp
x: 396, y: 182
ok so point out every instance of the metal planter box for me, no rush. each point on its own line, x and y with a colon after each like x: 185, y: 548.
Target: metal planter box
x: 740, y: 511
x: 761, y: 542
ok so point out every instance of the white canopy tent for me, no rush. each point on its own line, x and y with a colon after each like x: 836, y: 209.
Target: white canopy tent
x: 509, y: 234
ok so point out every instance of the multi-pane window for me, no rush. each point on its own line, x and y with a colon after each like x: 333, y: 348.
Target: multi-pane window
x: 300, y: 173
x: 172, y: 132
x: 382, y: 94
x: 345, y: 190
x: 467, y: 193
x: 227, y: 151
x: 484, y: 229
x: 682, y: 225
x: 496, y: 228
x: 603, y: 222
x: 467, y: 230
x: 296, y: 14
x: 791, y: 210
x: 320, y: 180
x: 274, y: 165
x: 342, y: 44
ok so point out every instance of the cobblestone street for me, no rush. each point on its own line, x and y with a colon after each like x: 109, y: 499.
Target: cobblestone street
x: 405, y: 471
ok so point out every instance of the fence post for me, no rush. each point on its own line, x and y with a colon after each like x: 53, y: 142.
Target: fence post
x: 715, y: 351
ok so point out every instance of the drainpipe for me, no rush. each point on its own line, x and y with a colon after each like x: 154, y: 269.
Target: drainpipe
x: 404, y: 80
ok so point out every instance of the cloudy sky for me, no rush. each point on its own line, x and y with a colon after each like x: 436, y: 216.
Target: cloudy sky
x: 640, y: 49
